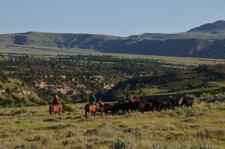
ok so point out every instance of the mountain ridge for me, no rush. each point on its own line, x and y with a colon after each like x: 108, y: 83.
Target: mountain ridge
x: 195, y: 42
x: 210, y: 27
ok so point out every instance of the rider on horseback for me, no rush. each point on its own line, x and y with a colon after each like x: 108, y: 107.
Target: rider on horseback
x: 56, y: 101
x: 55, y: 107
x: 92, y: 99
x: 128, y: 96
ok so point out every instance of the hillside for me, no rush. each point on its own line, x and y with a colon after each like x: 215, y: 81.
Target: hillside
x: 205, y: 41
x: 14, y: 92
x: 34, y: 80
x: 210, y: 77
x: 72, y: 78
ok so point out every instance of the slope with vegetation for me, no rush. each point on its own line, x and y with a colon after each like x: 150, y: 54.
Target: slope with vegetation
x: 211, y: 77
x: 31, y: 80
x: 14, y: 92
x: 73, y: 78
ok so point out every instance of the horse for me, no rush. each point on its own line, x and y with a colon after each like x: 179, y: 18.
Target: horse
x: 91, y: 108
x: 136, y: 99
x: 54, y: 108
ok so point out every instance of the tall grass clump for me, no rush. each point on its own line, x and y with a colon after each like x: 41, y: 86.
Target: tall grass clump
x: 66, y: 107
x: 207, y: 97
x: 21, y: 111
x: 121, y: 143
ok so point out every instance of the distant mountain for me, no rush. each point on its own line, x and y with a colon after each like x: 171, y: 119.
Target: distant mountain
x: 204, y: 41
x: 213, y: 28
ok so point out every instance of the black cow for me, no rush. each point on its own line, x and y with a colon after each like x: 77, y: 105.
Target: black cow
x: 187, y: 101
x: 133, y: 106
x: 158, y: 104
x: 148, y: 106
x: 165, y: 103
x: 125, y: 106
x: 105, y: 108
x: 144, y: 105
x: 141, y: 106
x: 116, y: 107
x: 173, y: 102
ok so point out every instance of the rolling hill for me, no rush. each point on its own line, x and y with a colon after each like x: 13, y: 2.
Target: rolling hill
x: 204, y: 41
x: 211, y: 77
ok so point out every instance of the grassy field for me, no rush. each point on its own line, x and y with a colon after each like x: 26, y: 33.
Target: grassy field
x: 170, y: 61
x: 32, y: 50
x: 202, y: 126
x: 157, y: 90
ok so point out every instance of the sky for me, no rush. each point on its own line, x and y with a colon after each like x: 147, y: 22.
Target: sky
x: 108, y: 17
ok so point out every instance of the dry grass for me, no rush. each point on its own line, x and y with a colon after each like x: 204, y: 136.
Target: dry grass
x: 199, y: 127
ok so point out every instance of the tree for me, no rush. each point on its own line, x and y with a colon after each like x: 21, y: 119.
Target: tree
x: 60, y: 94
x: 8, y: 90
x: 8, y: 102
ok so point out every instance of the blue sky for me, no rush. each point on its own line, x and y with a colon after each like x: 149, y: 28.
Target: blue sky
x: 116, y: 17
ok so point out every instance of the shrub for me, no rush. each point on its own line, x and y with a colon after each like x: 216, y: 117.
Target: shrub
x: 48, y: 142
x: 21, y: 105
x: 8, y: 102
x: 207, y: 97
x: 8, y: 90
x: 21, y: 111
x: 121, y: 143
x: 66, y: 107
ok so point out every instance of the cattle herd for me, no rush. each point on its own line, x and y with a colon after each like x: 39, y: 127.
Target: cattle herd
x: 143, y: 105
